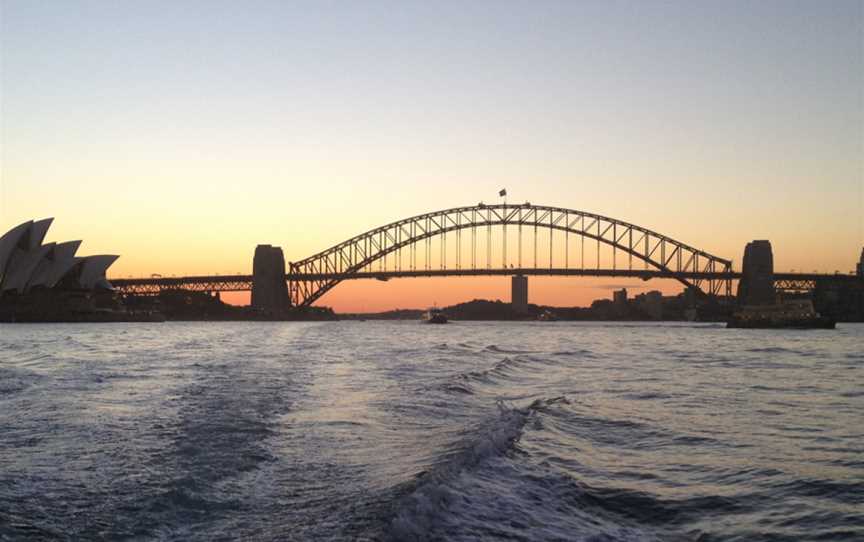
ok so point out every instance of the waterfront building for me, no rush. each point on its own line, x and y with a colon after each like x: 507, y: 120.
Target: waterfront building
x: 48, y: 282
x: 26, y: 263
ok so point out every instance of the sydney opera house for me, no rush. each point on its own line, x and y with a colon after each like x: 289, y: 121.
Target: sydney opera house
x: 48, y: 281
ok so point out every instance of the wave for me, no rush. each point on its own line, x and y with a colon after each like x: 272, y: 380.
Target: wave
x: 492, y: 489
x: 500, y: 350
x: 15, y: 527
x: 418, y: 512
x: 505, y: 367
x: 575, y: 353
x: 463, y: 388
x: 500, y: 368
x: 773, y: 350
x: 462, y: 346
x: 510, y: 367
x: 843, y: 492
x: 433, y: 493
x: 14, y: 380
x: 648, y: 396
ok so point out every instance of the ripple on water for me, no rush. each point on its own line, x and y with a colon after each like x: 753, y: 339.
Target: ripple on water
x: 368, y: 431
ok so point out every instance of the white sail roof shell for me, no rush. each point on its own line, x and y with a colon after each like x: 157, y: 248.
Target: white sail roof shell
x: 25, y: 262
x: 38, y: 231
x: 93, y: 271
x: 9, y: 241
x: 21, y: 267
x: 55, y: 265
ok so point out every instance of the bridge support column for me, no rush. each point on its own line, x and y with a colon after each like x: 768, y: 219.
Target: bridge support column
x: 519, y: 292
x: 756, y: 286
x: 269, y: 289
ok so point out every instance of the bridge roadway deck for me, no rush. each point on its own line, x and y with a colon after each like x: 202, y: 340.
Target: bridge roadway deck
x: 240, y: 283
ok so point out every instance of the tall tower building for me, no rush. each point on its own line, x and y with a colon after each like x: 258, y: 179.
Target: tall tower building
x: 519, y: 292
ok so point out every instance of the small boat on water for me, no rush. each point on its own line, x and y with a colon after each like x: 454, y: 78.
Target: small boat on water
x: 435, y: 316
x: 797, y: 314
x: 547, y: 316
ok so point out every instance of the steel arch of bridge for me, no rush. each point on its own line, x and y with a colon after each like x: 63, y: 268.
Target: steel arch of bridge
x: 348, y: 259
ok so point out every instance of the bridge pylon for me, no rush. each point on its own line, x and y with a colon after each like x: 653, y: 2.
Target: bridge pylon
x: 269, y: 289
x: 756, y: 286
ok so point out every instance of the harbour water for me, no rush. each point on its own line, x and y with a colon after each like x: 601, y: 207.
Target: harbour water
x: 400, y: 431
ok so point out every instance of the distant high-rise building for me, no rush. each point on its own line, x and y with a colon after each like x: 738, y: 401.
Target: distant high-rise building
x: 619, y: 297
x: 861, y: 264
x: 519, y: 292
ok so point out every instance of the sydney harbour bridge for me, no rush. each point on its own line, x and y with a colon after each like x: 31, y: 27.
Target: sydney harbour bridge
x: 485, y: 240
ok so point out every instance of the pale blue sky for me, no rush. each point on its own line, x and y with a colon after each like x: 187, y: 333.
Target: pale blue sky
x: 712, y: 122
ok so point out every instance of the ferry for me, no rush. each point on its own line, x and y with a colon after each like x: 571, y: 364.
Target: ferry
x: 435, y: 316
x: 797, y: 314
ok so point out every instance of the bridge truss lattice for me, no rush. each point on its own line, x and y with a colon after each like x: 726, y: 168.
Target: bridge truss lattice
x: 395, y: 249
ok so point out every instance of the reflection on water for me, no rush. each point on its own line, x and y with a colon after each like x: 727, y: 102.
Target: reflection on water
x: 395, y: 431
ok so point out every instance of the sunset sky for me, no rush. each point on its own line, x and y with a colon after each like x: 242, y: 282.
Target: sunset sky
x: 182, y: 134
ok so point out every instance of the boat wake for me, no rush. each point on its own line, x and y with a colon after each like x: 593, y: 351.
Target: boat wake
x: 489, y: 487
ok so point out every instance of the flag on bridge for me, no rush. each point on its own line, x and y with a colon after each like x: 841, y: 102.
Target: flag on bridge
x: 503, y: 192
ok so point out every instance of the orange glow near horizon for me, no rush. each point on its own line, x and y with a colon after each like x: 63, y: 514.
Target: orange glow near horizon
x: 214, y: 246
x: 368, y: 295
x: 180, y: 139
x: 568, y: 251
